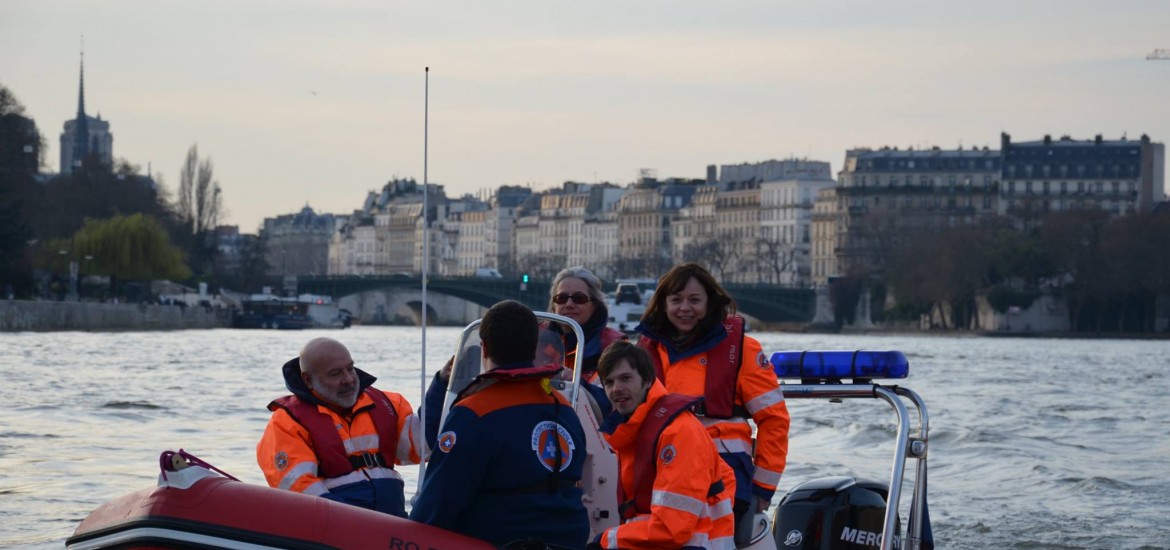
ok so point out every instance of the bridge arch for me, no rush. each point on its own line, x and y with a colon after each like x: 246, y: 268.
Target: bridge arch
x: 765, y: 303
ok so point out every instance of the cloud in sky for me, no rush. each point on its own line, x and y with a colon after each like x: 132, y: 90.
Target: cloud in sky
x: 310, y: 102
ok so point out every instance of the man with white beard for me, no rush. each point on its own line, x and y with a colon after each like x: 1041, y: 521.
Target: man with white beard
x: 337, y: 436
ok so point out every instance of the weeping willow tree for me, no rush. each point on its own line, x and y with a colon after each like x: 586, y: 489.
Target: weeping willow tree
x: 134, y: 247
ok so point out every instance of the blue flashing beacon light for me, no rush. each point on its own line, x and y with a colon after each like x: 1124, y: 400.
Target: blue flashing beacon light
x: 836, y: 365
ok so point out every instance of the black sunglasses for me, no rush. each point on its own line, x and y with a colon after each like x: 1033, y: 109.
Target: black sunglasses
x: 577, y: 298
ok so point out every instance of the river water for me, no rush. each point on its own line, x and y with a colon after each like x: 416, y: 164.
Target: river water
x: 1035, y: 443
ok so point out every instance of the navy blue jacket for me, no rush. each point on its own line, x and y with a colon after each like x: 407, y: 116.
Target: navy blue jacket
x: 508, y: 463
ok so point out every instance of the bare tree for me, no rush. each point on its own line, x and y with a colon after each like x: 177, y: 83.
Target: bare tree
x: 718, y: 254
x: 776, y: 257
x: 198, y: 207
x: 198, y: 202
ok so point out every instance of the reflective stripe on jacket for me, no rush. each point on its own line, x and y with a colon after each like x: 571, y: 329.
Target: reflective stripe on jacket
x: 684, y: 511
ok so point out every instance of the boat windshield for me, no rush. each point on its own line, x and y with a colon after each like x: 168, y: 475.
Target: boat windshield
x: 550, y: 349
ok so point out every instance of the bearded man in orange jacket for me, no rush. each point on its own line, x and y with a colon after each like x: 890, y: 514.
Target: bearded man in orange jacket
x: 337, y: 436
x: 675, y: 490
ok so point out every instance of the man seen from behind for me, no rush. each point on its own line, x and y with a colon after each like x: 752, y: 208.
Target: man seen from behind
x: 508, y: 460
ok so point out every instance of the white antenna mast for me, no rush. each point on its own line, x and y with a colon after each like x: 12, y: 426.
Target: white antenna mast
x: 426, y: 253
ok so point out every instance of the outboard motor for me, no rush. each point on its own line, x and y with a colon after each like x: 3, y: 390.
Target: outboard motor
x: 838, y: 513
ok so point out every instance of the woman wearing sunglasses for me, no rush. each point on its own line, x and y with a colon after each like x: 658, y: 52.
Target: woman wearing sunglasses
x: 698, y: 347
x: 577, y: 294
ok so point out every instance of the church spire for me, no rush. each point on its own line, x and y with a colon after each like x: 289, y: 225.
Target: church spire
x: 81, y: 135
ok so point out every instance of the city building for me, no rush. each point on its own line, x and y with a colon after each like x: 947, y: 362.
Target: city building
x: 734, y: 253
x: 1117, y: 176
x: 298, y: 244
x: 786, y: 215
x: 881, y: 192
x: 823, y: 261
x: 695, y: 223
x: 645, y: 215
x: 773, y: 170
x: 526, y: 238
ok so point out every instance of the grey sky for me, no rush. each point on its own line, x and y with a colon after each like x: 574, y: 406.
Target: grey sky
x: 318, y: 102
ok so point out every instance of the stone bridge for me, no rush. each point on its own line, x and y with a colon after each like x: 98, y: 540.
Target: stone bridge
x: 762, y: 303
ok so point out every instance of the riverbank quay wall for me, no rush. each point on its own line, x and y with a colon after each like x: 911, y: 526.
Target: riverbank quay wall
x: 43, y: 316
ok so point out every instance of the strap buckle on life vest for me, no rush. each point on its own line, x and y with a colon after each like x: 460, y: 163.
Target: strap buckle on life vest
x: 738, y: 411
x: 368, y: 460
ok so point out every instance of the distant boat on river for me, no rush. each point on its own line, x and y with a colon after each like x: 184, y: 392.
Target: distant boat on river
x: 270, y: 311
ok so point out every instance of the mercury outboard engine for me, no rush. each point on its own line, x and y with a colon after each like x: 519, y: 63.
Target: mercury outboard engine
x: 838, y: 513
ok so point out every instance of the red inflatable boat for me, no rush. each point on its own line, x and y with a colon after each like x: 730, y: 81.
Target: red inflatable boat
x: 193, y: 507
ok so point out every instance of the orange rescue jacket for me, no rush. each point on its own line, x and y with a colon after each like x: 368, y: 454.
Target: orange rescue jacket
x: 684, y: 510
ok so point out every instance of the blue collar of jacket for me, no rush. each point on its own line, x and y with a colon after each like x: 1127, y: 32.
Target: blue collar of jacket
x: 702, y: 345
x: 296, y: 385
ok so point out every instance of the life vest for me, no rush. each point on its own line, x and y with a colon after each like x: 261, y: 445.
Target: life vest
x: 332, y: 460
x: 662, y: 412
x: 723, y: 363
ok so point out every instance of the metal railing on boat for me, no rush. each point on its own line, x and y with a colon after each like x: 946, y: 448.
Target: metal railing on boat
x: 906, y: 446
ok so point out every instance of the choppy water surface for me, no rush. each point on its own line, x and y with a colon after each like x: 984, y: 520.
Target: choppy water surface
x: 1035, y: 443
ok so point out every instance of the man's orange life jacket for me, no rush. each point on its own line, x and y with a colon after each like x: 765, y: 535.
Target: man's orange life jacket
x: 332, y: 460
x: 664, y: 410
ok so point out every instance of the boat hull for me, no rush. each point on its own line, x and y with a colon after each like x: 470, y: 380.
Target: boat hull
x: 217, y: 512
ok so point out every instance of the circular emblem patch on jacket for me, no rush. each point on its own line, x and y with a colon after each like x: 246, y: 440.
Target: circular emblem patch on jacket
x: 762, y: 361
x: 551, y: 442
x: 281, y: 460
x: 667, y: 455
x: 446, y: 441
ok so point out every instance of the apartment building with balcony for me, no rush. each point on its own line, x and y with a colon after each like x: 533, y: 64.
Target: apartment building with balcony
x: 645, y: 215
x: 883, y: 191
x: 1118, y: 176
